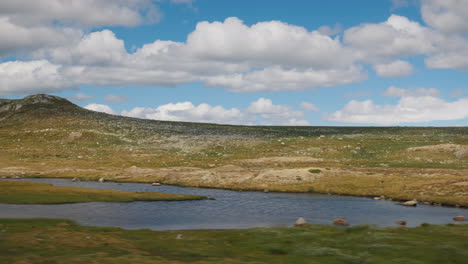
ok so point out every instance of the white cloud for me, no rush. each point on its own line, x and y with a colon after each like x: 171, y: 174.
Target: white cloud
x: 330, y: 31
x: 309, y: 107
x: 267, y: 43
x: 395, y: 38
x: 457, y: 93
x: 116, y: 98
x: 399, y: 92
x: 79, y: 97
x: 34, y: 24
x: 446, y: 15
x: 87, y: 13
x: 418, y: 106
x: 97, y: 48
x: 279, y: 79
x: 394, y: 69
x: 23, y: 39
x: 262, y: 111
x: 268, y: 56
x: 101, y: 108
x: 396, y: 4
x: 17, y: 77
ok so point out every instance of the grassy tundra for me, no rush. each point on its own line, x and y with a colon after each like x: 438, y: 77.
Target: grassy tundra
x: 45, y: 136
x: 62, y: 241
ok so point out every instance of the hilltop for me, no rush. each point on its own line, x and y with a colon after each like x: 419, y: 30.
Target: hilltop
x: 48, y: 136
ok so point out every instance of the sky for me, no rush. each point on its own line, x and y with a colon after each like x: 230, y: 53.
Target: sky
x: 255, y: 62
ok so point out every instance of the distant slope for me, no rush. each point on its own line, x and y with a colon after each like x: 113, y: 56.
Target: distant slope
x: 49, y: 111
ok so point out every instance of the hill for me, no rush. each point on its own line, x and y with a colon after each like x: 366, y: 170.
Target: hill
x: 48, y: 136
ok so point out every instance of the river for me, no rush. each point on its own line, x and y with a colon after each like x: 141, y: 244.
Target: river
x: 229, y: 210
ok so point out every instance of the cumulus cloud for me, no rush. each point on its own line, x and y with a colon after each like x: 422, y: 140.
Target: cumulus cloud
x: 101, y: 108
x: 446, y: 15
x: 330, y: 31
x: 394, y: 69
x: 399, y: 92
x: 268, y: 56
x: 397, y: 37
x: 115, y: 98
x: 413, y: 107
x: 260, y: 112
x: 396, y: 4
x: 17, y: 77
x: 88, y: 13
x: 35, y: 24
x: 309, y: 107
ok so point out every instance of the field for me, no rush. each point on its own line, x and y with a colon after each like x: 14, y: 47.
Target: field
x: 49, y: 241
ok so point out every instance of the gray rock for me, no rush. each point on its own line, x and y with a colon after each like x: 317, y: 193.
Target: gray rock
x: 410, y: 203
x: 300, y: 222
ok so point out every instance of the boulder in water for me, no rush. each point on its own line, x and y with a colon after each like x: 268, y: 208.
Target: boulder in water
x: 410, y: 203
x: 301, y: 222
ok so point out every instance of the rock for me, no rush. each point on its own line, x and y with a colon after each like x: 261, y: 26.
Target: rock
x: 101, y: 180
x: 410, y: 203
x: 379, y: 198
x: 340, y: 222
x: 402, y: 223
x: 75, y: 179
x: 460, y: 218
x: 179, y: 236
x: 301, y: 222
x: 156, y: 184
x: 265, y: 191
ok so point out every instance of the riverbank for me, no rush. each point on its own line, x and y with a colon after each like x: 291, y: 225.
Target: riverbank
x: 58, y: 241
x: 446, y: 187
x: 23, y: 192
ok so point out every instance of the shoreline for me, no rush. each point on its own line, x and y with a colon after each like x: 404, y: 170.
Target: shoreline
x: 252, y: 189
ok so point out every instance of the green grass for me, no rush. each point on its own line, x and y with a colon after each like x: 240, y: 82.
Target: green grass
x: 62, y: 241
x: 315, y: 171
x: 22, y: 192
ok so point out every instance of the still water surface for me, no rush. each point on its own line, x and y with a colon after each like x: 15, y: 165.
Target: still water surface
x: 230, y: 210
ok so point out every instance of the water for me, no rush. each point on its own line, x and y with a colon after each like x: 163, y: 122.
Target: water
x: 230, y: 210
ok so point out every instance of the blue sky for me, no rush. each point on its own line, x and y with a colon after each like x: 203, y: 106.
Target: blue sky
x: 297, y: 62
